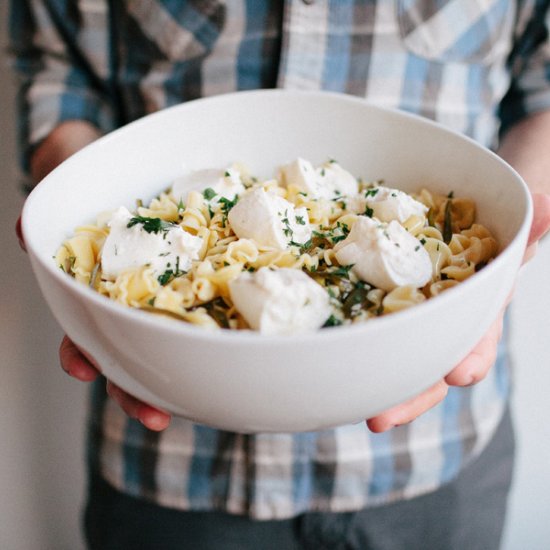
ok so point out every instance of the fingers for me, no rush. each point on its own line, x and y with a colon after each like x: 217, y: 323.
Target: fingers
x: 408, y: 411
x: 469, y: 371
x: 77, y: 365
x: 150, y: 417
x: 74, y: 363
x: 475, y: 366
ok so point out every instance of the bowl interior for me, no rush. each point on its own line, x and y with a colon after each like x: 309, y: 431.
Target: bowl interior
x: 263, y: 130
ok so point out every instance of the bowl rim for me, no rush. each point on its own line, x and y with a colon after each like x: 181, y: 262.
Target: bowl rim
x: 181, y: 328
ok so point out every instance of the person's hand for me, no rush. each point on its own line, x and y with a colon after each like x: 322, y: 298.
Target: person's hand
x: 475, y: 366
x: 75, y: 363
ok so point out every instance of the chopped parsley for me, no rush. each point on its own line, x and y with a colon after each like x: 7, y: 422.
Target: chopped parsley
x: 217, y: 309
x: 226, y: 206
x: 332, y: 235
x: 287, y: 230
x: 209, y: 193
x: 151, y: 225
x: 342, y: 271
x: 93, y: 275
x: 332, y: 321
x: 170, y: 273
x: 304, y: 247
x: 356, y: 301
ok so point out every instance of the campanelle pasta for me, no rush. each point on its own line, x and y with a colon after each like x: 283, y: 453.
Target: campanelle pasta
x: 443, y: 229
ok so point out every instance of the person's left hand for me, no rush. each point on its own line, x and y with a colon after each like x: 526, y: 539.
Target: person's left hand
x: 475, y: 366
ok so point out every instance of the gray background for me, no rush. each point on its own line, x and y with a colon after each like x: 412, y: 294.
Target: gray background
x: 42, y: 410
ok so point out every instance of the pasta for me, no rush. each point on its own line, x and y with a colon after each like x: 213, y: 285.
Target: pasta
x: 199, y: 293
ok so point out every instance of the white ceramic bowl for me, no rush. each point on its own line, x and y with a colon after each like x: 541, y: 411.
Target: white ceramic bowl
x: 243, y: 381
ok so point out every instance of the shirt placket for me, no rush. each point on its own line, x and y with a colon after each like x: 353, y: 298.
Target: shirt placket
x: 305, y: 26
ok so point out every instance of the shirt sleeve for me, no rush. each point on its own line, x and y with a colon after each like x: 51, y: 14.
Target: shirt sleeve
x: 529, y: 64
x: 60, y: 56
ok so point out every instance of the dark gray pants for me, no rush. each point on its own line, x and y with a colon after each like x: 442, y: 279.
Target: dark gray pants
x: 467, y: 514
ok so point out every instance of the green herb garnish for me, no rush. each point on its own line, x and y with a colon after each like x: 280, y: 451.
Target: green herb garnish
x: 356, y: 301
x: 332, y: 321
x: 170, y: 273
x: 209, y: 193
x: 287, y: 230
x: 226, y: 206
x: 342, y: 271
x: 93, y: 276
x: 217, y: 309
x: 151, y: 225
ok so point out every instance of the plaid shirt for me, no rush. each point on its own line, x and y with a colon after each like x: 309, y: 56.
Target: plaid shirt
x: 468, y: 64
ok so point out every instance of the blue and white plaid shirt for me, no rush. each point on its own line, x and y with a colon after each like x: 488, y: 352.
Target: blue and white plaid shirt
x: 469, y: 64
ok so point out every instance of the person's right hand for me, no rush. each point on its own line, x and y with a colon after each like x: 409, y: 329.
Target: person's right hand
x: 75, y: 363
